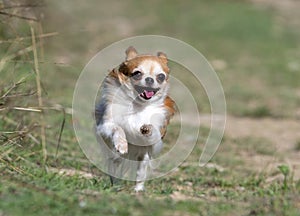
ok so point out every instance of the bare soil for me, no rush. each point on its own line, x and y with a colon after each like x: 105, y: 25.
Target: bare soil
x: 283, y: 134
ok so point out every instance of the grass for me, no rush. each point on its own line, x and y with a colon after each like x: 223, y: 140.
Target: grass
x: 260, y: 80
x: 27, y: 187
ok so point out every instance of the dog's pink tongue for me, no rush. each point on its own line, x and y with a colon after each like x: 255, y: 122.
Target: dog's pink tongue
x: 149, y: 94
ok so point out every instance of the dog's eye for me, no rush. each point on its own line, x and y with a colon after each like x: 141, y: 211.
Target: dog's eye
x: 160, y: 77
x: 137, y: 75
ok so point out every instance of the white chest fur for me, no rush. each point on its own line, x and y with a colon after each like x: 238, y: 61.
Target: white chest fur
x: 131, y: 118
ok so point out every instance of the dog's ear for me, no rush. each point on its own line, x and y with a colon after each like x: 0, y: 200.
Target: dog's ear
x: 163, y: 57
x: 130, y: 53
x: 124, y: 69
x: 120, y: 73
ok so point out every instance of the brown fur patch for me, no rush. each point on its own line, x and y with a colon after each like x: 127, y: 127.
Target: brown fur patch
x: 171, y: 109
x: 133, y: 63
x: 163, y: 57
x: 125, y: 68
x: 118, y: 75
x: 113, y: 73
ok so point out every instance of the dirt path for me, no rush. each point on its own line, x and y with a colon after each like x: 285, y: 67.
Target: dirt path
x: 283, y: 134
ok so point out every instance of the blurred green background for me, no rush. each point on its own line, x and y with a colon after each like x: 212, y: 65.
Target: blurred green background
x: 253, y: 47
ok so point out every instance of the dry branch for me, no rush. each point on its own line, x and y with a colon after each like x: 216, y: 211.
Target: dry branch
x: 21, y: 6
x: 18, y: 16
x: 39, y: 94
x: 44, y: 35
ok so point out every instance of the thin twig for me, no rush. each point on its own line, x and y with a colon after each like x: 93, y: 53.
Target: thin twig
x: 41, y: 44
x: 9, y: 121
x: 51, y: 34
x: 33, y: 138
x: 22, y: 132
x: 39, y: 109
x: 13, y: 132
x: 22, y: 6
x: 14, y: 55
x: 60, y: 133
x: 11, y: 27
x: 19, y: 95
x: 27, y: 109
x: 60, y: 64
x: 15, y: 85
x: 19, y: 133
x: 18, y: 16
x: 17, y: 169
x: 39, y: 94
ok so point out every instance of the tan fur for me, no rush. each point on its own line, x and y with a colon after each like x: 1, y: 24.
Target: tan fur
x: 130, y: 53
x: 125, y: 69
x: 171, y: 107
x: 128, y: 66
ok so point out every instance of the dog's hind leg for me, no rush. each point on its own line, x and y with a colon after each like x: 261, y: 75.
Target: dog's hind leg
x: 142, y: 172
x: 114, y: 164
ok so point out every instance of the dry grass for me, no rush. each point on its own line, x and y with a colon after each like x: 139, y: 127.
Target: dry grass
x: 22, y: 107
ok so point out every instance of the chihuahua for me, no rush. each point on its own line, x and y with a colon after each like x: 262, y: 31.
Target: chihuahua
x: 134, y: 111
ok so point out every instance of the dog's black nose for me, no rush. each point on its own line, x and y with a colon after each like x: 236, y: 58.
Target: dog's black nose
x: 149, y: 81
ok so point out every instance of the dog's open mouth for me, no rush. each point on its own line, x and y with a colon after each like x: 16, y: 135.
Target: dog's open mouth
x: 146, y: 92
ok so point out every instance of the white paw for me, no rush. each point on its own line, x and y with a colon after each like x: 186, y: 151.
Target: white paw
x: 121, y: 144
x: 139, y: 187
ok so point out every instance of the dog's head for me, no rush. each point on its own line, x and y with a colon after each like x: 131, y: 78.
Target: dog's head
x: 144, y: 76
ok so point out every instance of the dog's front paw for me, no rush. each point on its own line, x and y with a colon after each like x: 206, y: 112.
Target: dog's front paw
x: 146, y: 129
x: 122, y: 146
x: 120, y: 143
